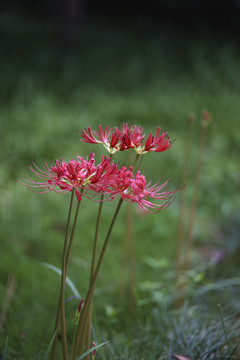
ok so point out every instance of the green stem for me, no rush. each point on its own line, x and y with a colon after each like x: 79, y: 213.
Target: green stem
x: 72, y: 236
x: 54, y: 347
x: 96, y: 238
x: 94, y: 255
x: 64, y: 271
x: 135, y: 161
x: 81, y: 330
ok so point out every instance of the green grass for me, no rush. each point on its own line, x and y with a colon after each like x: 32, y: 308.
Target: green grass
x: 114, y: 75
x: 194, y: 334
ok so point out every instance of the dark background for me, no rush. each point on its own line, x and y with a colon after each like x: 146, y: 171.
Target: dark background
x: 188, y: 15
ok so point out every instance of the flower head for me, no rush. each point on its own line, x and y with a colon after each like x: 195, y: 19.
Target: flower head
x: 102, y: 137
x: 130, y: 137
x: 80, y: 175
x: 134, y: 188
x: 127, y: 138
x: 159, y: 142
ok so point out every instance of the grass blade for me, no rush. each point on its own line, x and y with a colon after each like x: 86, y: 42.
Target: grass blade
x: 68, y: 281
x: 223, y: 326
x: 5, y: 350
x: 90, y: 350
x: 49, y: 347
x: 220, y: 285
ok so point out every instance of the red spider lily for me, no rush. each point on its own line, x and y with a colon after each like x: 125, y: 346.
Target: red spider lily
x: 102, y: 137
x: 127, y: 138
x: 114, y: 140
x: 130, y: 137
x: 79, y: 175
x: 133, y: 188
x: 157, y: 143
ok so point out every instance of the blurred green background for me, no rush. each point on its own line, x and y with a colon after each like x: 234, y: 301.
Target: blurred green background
x: 115, y: 71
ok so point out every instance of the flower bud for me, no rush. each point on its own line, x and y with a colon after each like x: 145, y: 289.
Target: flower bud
x: 77, y: 314
x: 94, y: 350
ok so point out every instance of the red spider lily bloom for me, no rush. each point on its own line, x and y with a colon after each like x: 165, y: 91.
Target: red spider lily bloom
x: 79, y: 175
x: 159, y: 142
x: 102, y: 137
x: 133, y: 188
x: 114, y: 140
x: 131, y: 137
x: 127, y: 138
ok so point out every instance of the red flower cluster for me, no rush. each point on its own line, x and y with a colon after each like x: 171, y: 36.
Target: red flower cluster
x: 119, y: 140
x: 133, y: 188
x: 81, y: 175
x: 88, y: 180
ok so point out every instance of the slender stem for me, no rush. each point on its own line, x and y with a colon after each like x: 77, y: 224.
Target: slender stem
x: 64, y: 270
x: 84, y: 312
x: 94, y: 255
x: 135, y: 161
x: 72, y: 236
x: 96, y: 237
x: 54, y: 346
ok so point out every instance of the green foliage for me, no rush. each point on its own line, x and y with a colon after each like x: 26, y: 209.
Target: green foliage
x: 194, y: 334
